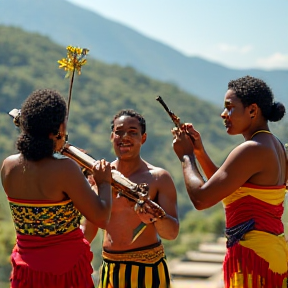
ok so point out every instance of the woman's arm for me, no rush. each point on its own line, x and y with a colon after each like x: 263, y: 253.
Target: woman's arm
x: 95, y: 208
x: 89, y: 230
x: 242, y: 163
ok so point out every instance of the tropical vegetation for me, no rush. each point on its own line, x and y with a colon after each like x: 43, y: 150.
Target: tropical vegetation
x: 29, y: 61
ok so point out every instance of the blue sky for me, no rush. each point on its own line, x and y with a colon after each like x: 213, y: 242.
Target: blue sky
x: 235, y: 33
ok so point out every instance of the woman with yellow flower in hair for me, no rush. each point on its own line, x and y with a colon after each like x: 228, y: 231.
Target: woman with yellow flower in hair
x: 250, y: 183
x: 48, y: 196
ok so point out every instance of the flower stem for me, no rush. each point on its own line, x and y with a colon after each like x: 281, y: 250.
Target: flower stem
x: 70, y: 92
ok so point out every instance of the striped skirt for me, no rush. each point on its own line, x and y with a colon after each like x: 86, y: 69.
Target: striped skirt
x: 145, y: 268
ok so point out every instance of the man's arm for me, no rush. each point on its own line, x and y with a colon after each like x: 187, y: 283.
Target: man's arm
x: 167, y: 226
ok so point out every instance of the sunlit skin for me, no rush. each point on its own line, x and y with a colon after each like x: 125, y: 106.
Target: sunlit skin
x: 235, y: 116
x: 259, y: 163
x: 59, y: 143
x: 250, y: 157
x: 55, y: 180
x: 127, y: 140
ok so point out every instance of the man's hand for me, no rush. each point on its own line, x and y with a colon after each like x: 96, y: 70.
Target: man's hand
x: 149, y: 213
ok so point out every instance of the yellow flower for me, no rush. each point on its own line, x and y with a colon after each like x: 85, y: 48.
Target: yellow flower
x: 76, y: 58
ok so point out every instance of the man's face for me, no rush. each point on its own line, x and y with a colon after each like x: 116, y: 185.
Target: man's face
x: 126, y: 137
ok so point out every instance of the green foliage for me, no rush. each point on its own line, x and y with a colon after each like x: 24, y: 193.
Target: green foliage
x: 195, y: 228
x: 29, y: 62
x: 213, y: 221
x: 7, y: 241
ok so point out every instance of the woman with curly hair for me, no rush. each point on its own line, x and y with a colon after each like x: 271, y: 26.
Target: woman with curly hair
x: 250, y: 183
x: 47, y: 196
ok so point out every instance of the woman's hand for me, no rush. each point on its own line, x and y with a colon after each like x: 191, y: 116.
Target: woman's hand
x: 197, y: 141
x: 182, y: 142
x: 102, y: 172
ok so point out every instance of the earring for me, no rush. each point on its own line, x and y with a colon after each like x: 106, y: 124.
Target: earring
x: 59, y: 135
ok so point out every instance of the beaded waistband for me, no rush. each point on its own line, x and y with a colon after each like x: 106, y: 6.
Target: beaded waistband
x: 149, y: 255
x: 235, y: 233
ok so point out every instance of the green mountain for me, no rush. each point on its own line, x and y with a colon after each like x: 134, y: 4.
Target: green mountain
x: 97, y: 95
x: 112, y: 42
x: 28, y: 61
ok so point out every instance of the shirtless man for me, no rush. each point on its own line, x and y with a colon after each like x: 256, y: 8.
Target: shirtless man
x: 131, y: 259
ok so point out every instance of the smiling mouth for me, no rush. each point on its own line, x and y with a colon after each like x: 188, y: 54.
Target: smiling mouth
x: 124, y: 147
x: 227, y: 124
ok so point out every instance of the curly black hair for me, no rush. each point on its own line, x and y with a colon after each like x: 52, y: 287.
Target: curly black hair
x: 253, y: 90
x: 41, y: 114
x: 131, y: 113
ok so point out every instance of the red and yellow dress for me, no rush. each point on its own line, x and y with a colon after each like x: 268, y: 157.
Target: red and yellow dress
x: 257, y: 253
x: 50, y: 251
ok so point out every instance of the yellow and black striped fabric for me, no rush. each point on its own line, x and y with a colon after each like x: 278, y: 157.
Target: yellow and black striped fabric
x: 135, y: 269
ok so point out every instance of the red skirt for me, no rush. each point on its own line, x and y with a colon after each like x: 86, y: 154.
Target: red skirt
x: 62, y: 261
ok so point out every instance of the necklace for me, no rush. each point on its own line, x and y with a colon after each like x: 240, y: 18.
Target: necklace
x: 260, y: 131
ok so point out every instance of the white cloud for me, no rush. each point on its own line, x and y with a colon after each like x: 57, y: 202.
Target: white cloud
x: 223, y: 47
x: 277, y: 60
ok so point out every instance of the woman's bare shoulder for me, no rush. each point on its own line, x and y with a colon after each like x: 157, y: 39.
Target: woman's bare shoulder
x: 65, y: 164
x: 249, y: 148
x: 12, y: 161
x: 13, y: 157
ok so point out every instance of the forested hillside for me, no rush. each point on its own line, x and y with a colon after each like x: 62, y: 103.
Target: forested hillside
x: 29, y: 61
x: 113, y: 42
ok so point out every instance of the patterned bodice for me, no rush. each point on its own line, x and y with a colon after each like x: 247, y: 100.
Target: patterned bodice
x: 42, y: 218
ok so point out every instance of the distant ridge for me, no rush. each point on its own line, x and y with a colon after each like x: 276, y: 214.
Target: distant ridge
x: 112, y: 42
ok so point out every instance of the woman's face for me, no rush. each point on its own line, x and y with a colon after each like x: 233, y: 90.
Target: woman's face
x: 237, y: 118
x: 61, y: 137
